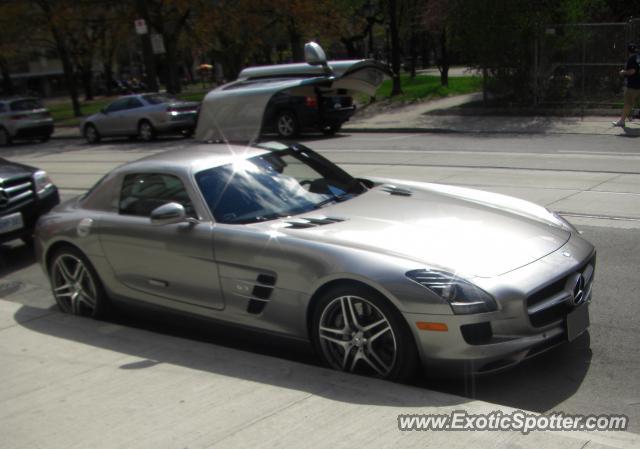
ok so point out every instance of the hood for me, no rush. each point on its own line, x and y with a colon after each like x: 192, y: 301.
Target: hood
x: 234, y: 112
x: 436, y: 228
x: 12, y: 169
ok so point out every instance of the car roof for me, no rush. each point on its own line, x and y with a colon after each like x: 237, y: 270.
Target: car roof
x: 199, y: 156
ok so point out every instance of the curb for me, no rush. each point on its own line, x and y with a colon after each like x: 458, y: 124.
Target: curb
x: 458, y: 131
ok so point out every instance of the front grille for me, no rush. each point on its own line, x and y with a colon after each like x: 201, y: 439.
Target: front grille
x: 15, y: 191
x: 552, y: 303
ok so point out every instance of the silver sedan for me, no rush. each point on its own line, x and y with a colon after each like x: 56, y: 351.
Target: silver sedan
x: 380, y: 275
x: 143, y: 116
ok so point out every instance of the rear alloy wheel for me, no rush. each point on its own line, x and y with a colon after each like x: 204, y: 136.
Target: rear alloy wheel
x: 146, y: 133
x: 287, y: 125
x: 356, y: 330
x: 76, y: 286
x: 91, y: 133
x: 5, y: 139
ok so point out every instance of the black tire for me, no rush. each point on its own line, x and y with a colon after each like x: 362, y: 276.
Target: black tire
x: 146, y: 131
x: 91, y: 133
x: 331, y: 130
x: 5, y: 138
x: 77, y: 291
x: 187, y: 133
x: 45, y: 138
x: 287, y: 124
x: 368, y: 352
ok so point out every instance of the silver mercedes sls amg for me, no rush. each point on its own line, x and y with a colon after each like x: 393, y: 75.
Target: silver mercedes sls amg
x: 380, y: 275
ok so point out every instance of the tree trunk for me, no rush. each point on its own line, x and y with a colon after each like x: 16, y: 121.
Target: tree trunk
x: 297, y: 49
x: 107, y: 69
x: 484, y: 86
x: 173, y: 78
x: 151, y: 72
x: 7, y: 82
x: 413, y: 49
x: 87, y: 83
x: 444, y: 64
x: 395, y: 49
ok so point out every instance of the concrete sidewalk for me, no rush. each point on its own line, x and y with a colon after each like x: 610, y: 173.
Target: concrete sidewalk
x: 443, y: 116
x: 69, y: 383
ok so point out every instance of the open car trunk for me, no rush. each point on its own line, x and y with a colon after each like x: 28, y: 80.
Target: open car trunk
x: 235, y: 111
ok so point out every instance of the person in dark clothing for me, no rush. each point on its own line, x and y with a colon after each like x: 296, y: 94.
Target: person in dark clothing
x: 631, y: 73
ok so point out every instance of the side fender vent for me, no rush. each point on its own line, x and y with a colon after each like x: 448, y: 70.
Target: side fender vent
x: 395, y: 190
x: 312, y: 222
x: 261, y: 293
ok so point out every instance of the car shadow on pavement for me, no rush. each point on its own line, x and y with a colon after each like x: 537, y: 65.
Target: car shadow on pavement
x: 224, y: 352
x: 160, y: 338
x: 538, y: 384
x: 15, y: 257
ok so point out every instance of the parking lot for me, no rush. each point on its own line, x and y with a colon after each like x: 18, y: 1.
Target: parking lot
x: 592, y: 180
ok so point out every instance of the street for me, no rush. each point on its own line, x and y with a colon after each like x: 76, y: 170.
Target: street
x: 594, y: 181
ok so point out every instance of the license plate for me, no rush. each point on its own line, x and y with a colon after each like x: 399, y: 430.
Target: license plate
x: 11, y: 223
x: 577, y: 321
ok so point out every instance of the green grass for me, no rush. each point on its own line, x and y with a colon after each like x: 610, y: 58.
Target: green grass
x: 62, y: 110
x: 424, y: 87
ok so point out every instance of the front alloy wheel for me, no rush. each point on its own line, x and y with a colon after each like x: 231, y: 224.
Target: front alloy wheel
x: 146, y: 133
x: 91, y: 134
x: 76, y: 286
x: 358, y: 331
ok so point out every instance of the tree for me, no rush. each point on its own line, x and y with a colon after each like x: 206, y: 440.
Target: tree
x: 436, y: 20
x: 497, y: 36
x: 396, y: 88
x: 169, y: 18
x: 52, y: 16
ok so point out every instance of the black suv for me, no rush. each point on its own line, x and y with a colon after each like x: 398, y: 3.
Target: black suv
x: 26, y: 193
x: 289, y: 114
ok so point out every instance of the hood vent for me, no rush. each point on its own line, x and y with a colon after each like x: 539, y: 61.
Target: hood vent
x: 395, y: 190
x: 306, y: 222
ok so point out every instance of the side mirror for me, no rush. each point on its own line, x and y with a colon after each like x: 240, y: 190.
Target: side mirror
x: 314, y: 55
x: 170, y: 213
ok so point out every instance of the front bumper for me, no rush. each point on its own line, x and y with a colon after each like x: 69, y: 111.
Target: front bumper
x: 31, y: 211
x: 488, y: 342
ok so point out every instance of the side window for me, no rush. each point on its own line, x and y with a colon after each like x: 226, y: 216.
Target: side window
x: 142, y: 193
x: 117, y: 105
x: 133, y: 103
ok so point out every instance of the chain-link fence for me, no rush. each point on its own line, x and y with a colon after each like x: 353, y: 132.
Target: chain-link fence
x: 579, y: 64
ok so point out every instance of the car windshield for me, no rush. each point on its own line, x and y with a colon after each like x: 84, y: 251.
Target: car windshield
x: 26, y: 105
x: 158, y: 99
x: 274, y: 185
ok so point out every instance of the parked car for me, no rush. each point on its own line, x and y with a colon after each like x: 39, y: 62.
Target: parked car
x: 26, y: 193
x: 378, y: 274
x: 24, y: 118
x: 289, y: 114
x: 143, y: 116
x: 288, y: 98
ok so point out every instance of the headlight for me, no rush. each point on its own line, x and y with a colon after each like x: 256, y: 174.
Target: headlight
x: 562, y: 222
x: 42, y: 182
x: 462, y: 295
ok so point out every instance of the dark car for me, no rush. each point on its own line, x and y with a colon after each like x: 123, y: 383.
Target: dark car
x: 26, y: 193
x: 289, y: 114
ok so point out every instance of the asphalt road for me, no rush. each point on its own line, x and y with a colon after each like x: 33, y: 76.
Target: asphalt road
x: 593, y: 180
